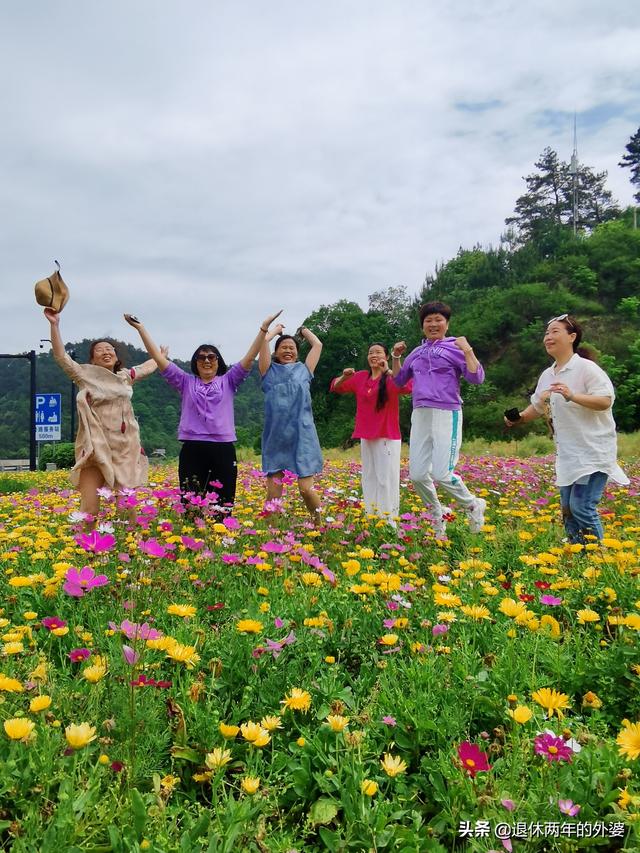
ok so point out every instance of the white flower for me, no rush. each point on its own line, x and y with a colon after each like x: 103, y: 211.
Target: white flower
x: 76, y: 516
x: 105, y: 527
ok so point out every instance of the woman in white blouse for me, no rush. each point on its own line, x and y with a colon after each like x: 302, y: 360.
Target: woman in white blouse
x: 576, y: 396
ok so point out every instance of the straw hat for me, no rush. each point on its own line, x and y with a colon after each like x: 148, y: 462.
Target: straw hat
x: 52, y: 292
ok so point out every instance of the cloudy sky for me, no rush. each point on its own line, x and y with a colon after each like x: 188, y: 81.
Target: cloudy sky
x: 202, y: 163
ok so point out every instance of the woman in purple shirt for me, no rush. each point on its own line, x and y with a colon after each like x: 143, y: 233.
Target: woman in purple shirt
x: 436, y: 367
x: 207, y: 461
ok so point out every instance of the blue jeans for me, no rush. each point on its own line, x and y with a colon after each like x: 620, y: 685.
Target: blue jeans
x: 580, y: 507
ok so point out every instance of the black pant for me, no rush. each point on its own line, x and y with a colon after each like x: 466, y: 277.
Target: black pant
x: 203, y: 465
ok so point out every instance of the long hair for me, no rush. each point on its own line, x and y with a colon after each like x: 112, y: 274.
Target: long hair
x: 119, y: 363
x: 383, y: 394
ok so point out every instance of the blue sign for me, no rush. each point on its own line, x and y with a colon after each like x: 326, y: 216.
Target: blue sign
x: 48, y: 417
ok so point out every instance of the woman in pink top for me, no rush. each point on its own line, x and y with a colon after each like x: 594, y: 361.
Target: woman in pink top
x: 378, y: 428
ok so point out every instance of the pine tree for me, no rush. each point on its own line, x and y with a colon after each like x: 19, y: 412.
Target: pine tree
x: 631, y: 160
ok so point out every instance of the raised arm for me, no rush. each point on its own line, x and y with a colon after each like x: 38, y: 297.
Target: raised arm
x: 264, y: 357
x: 247, y: 360
x: 336, y: 384
x: 57, y: 346
x: 315, y: 343
x: 158, y: 354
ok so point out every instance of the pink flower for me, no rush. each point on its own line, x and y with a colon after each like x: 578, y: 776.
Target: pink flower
x: 389, y: 720
x: 130, y: 655
x: 568, y: 807
x: 509, y: 805
x: 553, y: 748
x: 551, y: 600
x: 96, y: 543
x: 79, y: 582
x: 152, y: 548
x: 133, y: 631
x: 78, y: 655
x: 439, y: 629
x: 52, y: 622
x: 472, y: 758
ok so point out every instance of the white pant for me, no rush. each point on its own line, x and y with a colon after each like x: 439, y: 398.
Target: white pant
x: 381, y: 476
x: 434, y: 448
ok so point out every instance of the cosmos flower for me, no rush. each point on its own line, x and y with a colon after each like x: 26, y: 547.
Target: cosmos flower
x: 78, y: 582
x: 553, y: 748
x: 473, y: 759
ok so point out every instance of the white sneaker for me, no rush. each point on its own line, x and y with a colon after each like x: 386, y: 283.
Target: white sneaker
x: 476, y: 515
x: 440, y: 526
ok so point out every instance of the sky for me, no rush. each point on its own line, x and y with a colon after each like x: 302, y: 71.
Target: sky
x: 203, y: 164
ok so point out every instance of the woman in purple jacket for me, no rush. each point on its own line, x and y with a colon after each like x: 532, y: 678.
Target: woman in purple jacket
x: 436, y: 367
x: 207, y: 461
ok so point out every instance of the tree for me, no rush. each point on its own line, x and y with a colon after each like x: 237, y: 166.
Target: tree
x: 547, y: 206
x: 631, y: 160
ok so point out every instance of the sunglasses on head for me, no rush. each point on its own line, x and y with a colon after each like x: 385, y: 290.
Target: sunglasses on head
x: 207, y: 357
x: 564, y: 317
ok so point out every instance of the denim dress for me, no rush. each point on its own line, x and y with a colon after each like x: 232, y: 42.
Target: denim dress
x: 289, y: 439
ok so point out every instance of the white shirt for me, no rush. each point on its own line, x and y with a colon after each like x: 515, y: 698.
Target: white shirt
x: 585, y: 439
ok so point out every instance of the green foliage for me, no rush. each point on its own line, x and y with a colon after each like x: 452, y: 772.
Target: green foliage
x: 63, y: 455
x: 631, y: 160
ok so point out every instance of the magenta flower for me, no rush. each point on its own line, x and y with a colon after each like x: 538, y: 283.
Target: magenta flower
x: 553, y: 748
x: 568, y: 807
x: 130, y: 655
x: 79, y: 582
x: 551, y: 600
x: 152, y: 548
x: 95, y: 542
x: 78, y: 655
x: 52, y: 622
x: 472, y: 758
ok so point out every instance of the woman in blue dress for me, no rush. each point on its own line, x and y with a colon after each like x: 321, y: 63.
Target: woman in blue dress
x: 289, y: 439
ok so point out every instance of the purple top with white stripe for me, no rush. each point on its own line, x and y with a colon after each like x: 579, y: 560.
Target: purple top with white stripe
x: 207, y: 407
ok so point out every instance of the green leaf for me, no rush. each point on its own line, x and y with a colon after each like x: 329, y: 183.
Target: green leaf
x: 332, y: 840
x: 139, y: 811
x: 323, y: 811
x: 186, y: 753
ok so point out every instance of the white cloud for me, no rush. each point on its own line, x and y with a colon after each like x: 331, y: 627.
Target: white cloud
x: 201, y: 163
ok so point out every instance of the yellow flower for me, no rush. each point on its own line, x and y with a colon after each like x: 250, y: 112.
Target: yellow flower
x: 476, y: 611
x: 591, y: 700
x: 388, y: 639
x: 249, y: 626
x: 12, y: 648
x: 79, y: 735
x: 250, y: 731
x: 169, y: 782
x: 250, y: 784
x: 94, y: 673
x: 19, y: 728
x: 301, y: 741
x: 337, y: 723
x: 183, y: 654
x: 512, y: 608
x: 184, y: 610
x: 521, y: 714
x: 329, y: 659
x: 393, y: 765
x: 11, y: 685
x: 217, y: 758
x: 369, y: 787
x: 447, y: 599
x: 271, y: 723
x: 297, y: 700
x: 39, y: 703
x: 228, y: 732
x: 587, y: 615
x: 104, y: 759
x: 629, y: 740
x: 551, y: 700
x: 40, y: 672
x: 30, y: 614
x: 552, y: 625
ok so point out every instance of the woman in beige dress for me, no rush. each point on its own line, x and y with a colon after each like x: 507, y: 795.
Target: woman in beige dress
x: 108, y: 449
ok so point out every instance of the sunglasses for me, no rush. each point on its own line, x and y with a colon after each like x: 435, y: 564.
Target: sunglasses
x: 564, y: 317
x: 210, y: 357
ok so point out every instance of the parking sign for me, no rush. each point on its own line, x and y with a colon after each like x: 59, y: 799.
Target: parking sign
x: 48, y: 417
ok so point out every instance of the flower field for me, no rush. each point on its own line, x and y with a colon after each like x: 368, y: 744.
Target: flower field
x: 256, y: 684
